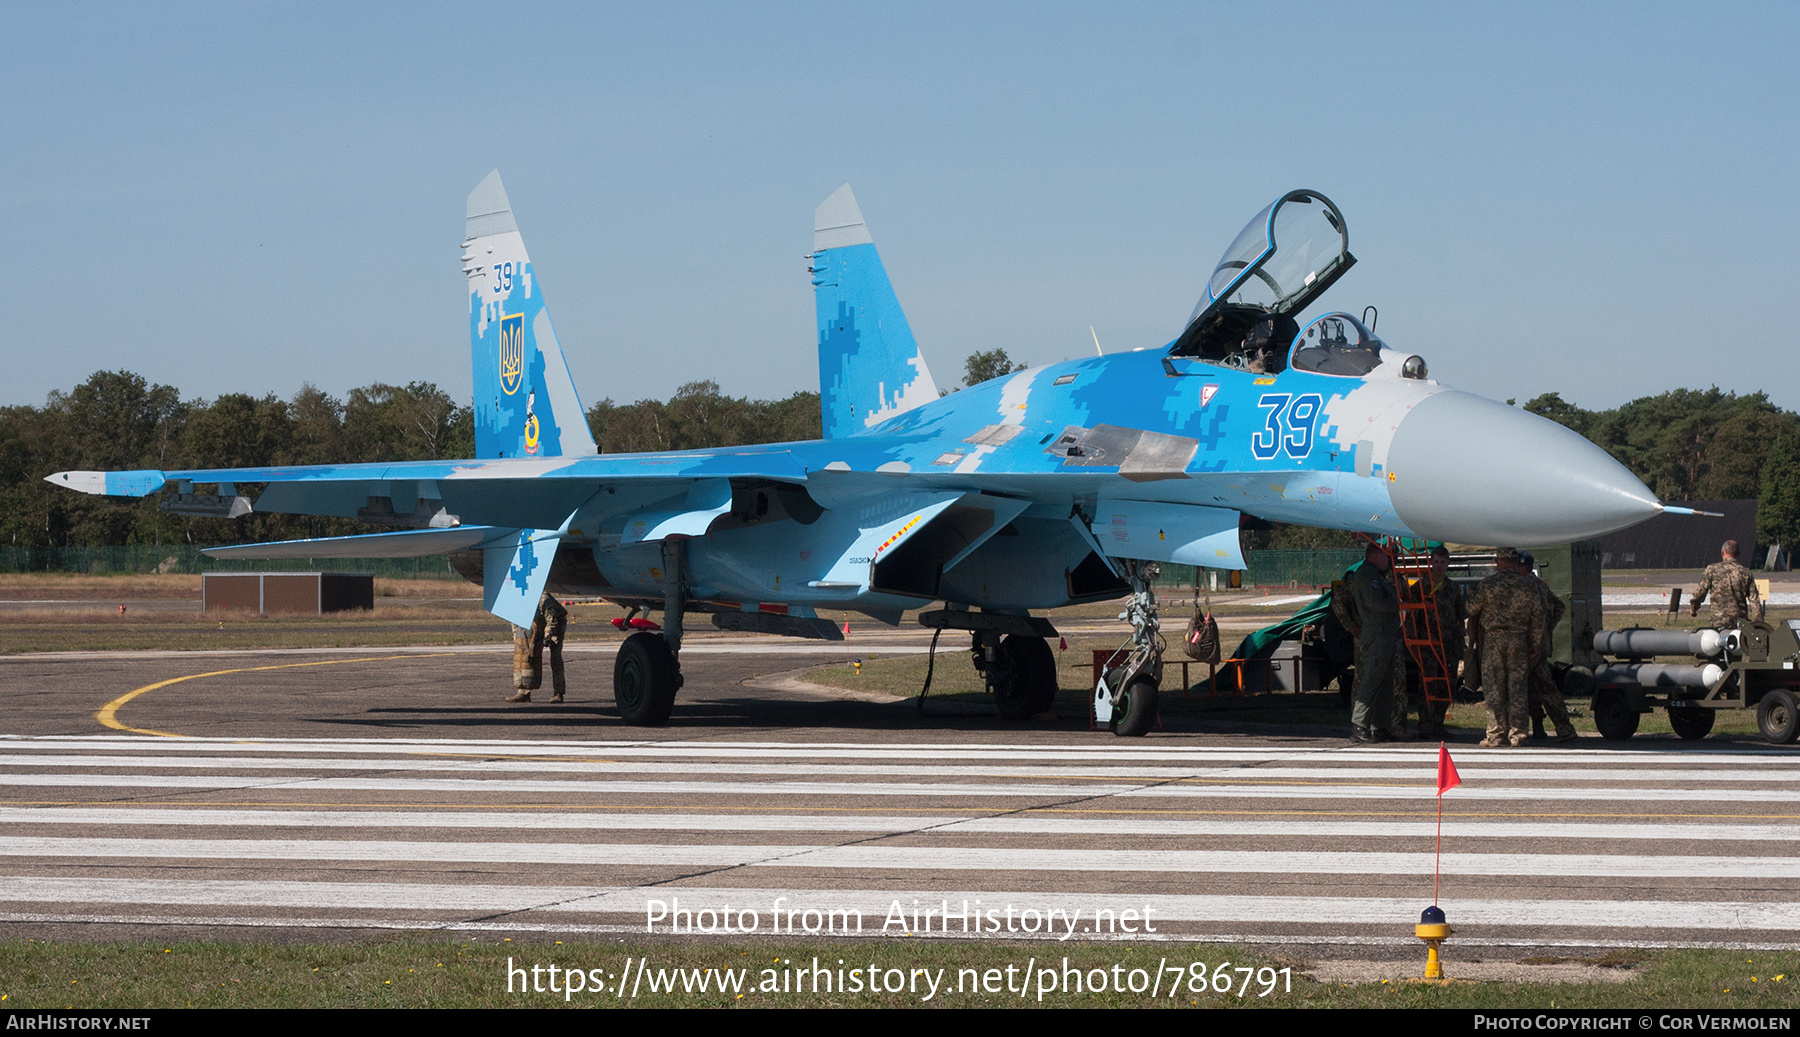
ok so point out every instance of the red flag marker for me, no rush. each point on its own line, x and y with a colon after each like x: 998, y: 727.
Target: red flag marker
x: 1447, y: 776
x: 1062, y: 644
x: 1447, y: 780
x: 846, y: 627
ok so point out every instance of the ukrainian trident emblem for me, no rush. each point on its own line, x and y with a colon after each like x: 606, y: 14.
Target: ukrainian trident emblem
x: 512, y: 352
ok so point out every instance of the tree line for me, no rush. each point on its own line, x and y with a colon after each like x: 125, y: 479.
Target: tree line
x: 117, y: 420
x: 1685, y: 445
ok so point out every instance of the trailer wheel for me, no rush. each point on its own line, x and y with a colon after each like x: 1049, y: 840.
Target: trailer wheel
x: 1778, y: 715
x: 1614, y: 717
x: 1691, y: 722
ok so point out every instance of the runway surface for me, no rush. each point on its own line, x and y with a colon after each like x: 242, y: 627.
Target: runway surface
x: 313, y: 794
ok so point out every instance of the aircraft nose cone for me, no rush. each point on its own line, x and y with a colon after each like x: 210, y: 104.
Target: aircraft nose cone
x: 1473, y: 471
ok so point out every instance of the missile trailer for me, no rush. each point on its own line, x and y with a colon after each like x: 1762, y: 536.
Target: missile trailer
x: 1753, y: 666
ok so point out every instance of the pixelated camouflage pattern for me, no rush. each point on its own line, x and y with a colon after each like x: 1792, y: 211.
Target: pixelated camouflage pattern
x: 1734, y: 594
x: 1508, y: 615
x: 1380, y: 670
x: 547, y: 629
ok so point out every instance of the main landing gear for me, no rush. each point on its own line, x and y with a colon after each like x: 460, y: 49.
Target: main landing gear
x: 1012, y: 654
x: 647, y: 671
x: 1126, y: 697
x: 1020, y: 671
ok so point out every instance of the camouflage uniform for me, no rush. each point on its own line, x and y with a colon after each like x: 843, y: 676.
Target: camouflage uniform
x: 547, y: 628
x: 1546, y: 696
x: 1380, y: 673
x: 1508, y: 613
x: 1734, y: 594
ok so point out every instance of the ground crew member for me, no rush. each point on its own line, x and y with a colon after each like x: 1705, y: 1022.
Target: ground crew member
x: 547, y: 627
x: 1379, y: 710
x: 1343, y: 609
x: 1546, y: 695
x: 1508, y: 615
x: 1453, y: 612
x: 1733, y: 590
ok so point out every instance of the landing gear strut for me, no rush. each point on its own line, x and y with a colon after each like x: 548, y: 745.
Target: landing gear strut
x: 1010, y: 651
x: 1020, y: 671
x: 647, y: 671
x: 1126, y: 697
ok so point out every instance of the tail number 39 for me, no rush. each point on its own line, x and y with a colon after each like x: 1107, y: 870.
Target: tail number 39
x: 1287, y: 425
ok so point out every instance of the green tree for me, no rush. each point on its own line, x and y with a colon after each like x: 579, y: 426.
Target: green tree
x: 1778, y: 505
x: 982, y: 367
x: 1551, y: 405
x: 415, y: 422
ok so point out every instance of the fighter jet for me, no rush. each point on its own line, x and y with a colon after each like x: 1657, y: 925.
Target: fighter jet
x: 1050, y: 486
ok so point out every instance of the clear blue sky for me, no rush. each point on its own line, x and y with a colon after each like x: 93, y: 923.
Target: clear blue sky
x: 1592, y: 199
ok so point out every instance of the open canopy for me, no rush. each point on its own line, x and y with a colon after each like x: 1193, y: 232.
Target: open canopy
x: 1286, y: 257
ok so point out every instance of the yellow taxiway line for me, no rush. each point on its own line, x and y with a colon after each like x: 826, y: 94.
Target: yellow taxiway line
x: 108, y: 714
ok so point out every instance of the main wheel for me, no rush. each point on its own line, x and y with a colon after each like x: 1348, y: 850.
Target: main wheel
x: 1135, y: 711
x: 645, y: 679
x: 1778, y: 715
x: 1029, y: 683
x: 1691, y: 722
x: 1614, y: 717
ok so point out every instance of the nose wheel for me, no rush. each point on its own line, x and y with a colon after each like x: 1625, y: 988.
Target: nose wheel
x: 1125, y: 700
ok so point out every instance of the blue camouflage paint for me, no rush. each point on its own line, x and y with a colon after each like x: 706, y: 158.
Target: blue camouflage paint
x: 133, y: 484
x: 1286, y: 447
x: 869, y: 362
x: 501, y: 417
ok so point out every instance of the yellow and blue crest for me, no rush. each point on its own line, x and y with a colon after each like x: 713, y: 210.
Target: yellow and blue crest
x: 512, y: 352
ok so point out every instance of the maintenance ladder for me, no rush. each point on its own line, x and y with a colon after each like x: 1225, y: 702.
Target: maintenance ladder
x: 1419, y: 622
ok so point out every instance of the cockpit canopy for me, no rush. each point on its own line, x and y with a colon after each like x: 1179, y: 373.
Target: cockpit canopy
x: 1282, y: 260
x: 1337, y: 343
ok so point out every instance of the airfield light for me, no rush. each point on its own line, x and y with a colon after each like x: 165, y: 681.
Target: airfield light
x: 1433, y: 930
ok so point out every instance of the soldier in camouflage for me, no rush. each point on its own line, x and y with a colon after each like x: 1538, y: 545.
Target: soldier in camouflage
x: 1343, y: 608
x: 547, y: 629
x: 1379, y: 712
x: 1546, y: 695
x: 1508, y: 614
x: 1733, y: 590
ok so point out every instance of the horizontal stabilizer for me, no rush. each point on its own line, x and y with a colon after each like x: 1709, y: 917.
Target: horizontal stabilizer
x: 412, y: 543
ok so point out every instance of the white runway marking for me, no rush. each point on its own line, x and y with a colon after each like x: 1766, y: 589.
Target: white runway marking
x: 562, y: 789
x: 1048, y: 770
x: 1104, y: 750
x: 1018, y: 824
x: 491, y: 899
x: 1133, y: 819
x: 884, y: 857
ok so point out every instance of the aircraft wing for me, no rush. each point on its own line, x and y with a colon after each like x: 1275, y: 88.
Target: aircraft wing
x: 537, y: 493
x: 407, y: 543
